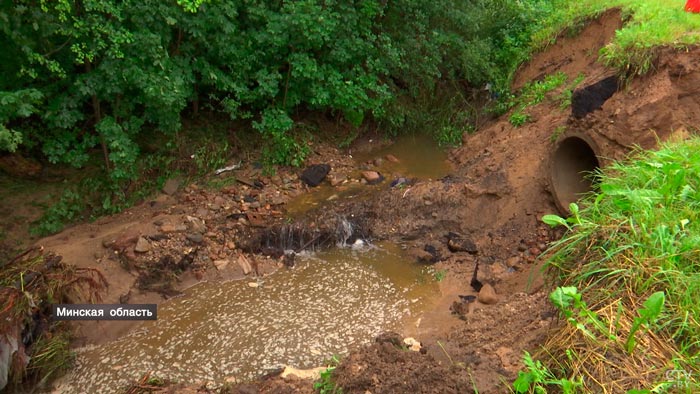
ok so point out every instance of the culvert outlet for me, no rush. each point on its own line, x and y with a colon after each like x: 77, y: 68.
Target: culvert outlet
x: 575, y: 156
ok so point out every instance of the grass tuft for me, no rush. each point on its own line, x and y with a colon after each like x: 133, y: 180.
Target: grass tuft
x: 650, y: 24
x: 629, y: 271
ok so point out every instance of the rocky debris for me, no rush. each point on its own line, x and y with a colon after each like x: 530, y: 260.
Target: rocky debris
x: 488, y: 295
x: 196, y: 238
x: 244, y: 264
x: 221, y: 264
x: 253, y: 284
x: 312, y: 373
x: 289, y: 259
x: 255, y: 220
x: 475, y: 282
x: 389, y: 337
x: 120, y: 243
x: 464, y: 306
x: 458, y: 243
x: 412, y: 344
x: 171, y: 186
x: 400, y: 182
x: 372, y: 177
x: 249, y: 182
x: 196, y: 225
x: 392, y: 158
x: 168, y: 228
x: 337, y: 180
x: 315, y: 174
x: 160, y: 275
x: 142, y: 245
x: 422, y: 256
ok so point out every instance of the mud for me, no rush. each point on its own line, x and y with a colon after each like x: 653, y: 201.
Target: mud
x: 494, y: 195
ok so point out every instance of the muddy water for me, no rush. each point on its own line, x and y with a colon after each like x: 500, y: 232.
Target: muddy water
x: 419, y: 157
x: 329, y: 303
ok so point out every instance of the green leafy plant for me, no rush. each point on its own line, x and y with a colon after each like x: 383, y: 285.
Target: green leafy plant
x: 440, y: 275
x: 647, y: 315
x: 569, y: 300
x: 536, y: 377
x: 566, y: 95
x: 325, y: 384
x: 533, y: 94
x: 518, y: 118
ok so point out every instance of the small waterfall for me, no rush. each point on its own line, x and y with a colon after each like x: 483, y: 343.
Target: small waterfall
x: 344, y: 231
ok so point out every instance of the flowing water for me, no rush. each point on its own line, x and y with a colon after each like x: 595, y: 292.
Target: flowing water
x: 329, y: 303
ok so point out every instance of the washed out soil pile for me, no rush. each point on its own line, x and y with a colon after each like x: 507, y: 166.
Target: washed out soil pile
x: 487, y: 212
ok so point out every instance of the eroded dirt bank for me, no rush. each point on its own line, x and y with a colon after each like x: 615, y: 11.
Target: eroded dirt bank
x: 494, y: 197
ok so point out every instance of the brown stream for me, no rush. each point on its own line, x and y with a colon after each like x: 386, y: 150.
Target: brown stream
x: 329, y: 303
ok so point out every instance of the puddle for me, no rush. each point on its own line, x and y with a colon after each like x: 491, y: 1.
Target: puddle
x: 329, y: 303
x: 419, y: 157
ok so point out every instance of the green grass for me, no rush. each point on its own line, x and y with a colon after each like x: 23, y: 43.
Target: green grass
x: 633, y: 251
x: 652, y: 23
x: 532, y: 94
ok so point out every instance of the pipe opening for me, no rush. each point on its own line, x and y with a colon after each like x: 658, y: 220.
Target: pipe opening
x: 573, y: 160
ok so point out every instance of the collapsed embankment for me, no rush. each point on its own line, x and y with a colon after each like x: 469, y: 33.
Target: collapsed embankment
x: 495, y: 197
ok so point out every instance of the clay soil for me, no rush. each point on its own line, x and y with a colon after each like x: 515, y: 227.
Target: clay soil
x: 495, y: 196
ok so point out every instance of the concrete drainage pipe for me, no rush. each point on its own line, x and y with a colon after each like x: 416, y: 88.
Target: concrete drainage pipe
x: 575, y: 155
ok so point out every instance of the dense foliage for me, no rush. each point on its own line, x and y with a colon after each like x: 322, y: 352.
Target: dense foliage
x: 87, y: 73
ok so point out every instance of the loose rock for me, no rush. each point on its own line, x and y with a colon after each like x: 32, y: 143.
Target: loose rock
x: 392, y: 158
x: 196, y: 225
x: 488, y: 295
x: 142, y: 245
x: 173, y: 228
x: 372, y: 177
x: 315, y: 174
x: 220, y: 264
x: 458, y: 243
x: 171, y: 186
x: 196, y: 238
x: 244, y: 264
x: 412, y: 344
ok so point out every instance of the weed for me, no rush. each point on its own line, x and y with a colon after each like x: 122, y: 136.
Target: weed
x: 209, y: 156
x: 29, y: 284
x: 51, y: 356
x: 536, y: 377
x: 647, y: 315
x: 566, y: 95
x: 558, y: 131
x: 518, y: 118
x: 325, y: 384
x: 533, y: 94
x: 440, y: 275
x: 568, y: 300
x: 634, y: 247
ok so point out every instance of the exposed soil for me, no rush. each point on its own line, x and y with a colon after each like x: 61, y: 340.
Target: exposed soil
x: 494, y: 197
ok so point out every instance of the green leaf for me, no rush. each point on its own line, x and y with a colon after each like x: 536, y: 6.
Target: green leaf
x: 653, y: 306
x: 562, y: 297
x: 554, y: 220
x: 522, y: 382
